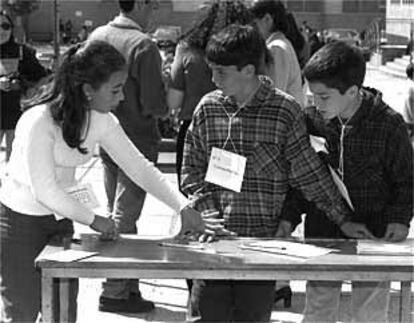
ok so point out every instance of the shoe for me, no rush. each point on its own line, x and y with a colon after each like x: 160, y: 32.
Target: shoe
x: 284, y: 293
x: 134, y: 304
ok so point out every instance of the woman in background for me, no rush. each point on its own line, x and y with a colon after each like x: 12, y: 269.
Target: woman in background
x: 18, y: 68
x: 271, y: 18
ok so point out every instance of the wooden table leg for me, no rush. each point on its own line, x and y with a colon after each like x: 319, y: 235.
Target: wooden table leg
x: 405, y: 302
x: 68, y: 293
x: 48, y: 302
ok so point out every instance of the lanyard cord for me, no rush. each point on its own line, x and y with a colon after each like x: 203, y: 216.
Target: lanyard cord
x: 231, y: 117
x: 341, y: 166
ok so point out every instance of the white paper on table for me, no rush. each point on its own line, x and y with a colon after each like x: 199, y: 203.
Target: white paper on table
x: 300, y: 250
x: 70, y: 255
x: 377, y: 247
x: 341, y: 187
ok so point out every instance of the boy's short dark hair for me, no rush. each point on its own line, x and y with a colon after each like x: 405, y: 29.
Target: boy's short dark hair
x: 237, y: 45
x: 410, y: 71
x: 337, y: 65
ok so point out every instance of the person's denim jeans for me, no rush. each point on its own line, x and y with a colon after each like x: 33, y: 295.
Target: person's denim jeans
x: 369, y: 301
x: 22, y: 238
x: 233, y: 301
x: 125, y: 202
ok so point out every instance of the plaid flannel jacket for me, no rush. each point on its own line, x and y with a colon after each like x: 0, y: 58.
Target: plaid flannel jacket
x: 270, y: 132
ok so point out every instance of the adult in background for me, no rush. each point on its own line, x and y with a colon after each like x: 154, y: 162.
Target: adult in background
x: 55, y: 136
x: 144, y: 102
x: 271, y: 19
x: 19, y: 68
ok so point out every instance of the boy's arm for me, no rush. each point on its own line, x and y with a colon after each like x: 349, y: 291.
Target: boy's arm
x: 309, y: 174
x: 399, y: 172
x: 194, y: 168
x: 293, y: 207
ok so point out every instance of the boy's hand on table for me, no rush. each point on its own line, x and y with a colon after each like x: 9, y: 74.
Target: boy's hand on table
x: 396, y: 232
x: 284, y: 229
x: 356, y: 230
x: 191, y: 221
x: 214, y: 228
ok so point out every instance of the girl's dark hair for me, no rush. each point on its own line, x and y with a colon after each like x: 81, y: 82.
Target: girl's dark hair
x: 84, y: 63
x: 283, y: 21
x: 294, y: 35
x: 275, y: 9
x: 219, y: 15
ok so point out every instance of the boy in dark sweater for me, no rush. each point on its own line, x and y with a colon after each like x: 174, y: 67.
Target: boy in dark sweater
x: 368, y: 145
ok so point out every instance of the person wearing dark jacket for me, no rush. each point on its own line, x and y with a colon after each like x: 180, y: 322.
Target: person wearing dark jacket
x: 144, y: 103
x: 19, y: 68
x: 368, y: 145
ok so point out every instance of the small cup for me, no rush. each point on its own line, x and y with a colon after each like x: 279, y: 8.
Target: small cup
x: 90, y: 241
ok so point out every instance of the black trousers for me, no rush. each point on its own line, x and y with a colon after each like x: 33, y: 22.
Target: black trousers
x: 22, y: 238
x: 233, y: 300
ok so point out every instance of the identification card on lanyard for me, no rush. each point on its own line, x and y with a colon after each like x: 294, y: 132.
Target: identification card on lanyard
x: 84, y: 194
x: 226, y: 169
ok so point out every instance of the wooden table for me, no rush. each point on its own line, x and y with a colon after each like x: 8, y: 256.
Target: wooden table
x: 145, y: 258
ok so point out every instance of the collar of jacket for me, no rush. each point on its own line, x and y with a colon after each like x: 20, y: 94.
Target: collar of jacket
x: 125, y: 23
x: 371, y: 105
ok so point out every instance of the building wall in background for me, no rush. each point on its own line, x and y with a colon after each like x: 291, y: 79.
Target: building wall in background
x: 319, y: 14
x: 399, y: 20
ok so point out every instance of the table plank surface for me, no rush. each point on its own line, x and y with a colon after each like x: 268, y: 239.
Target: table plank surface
x: 148, y: 254
x: 139, y: 257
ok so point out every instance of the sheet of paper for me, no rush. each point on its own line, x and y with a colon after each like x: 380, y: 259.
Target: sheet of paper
x: 342, y: 188
x: 70, y: 255
x: 376, y: 247
x: 318, y: 143
x: 294, y: 249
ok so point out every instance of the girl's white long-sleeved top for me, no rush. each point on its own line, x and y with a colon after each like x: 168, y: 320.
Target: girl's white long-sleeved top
x: 42, y: 165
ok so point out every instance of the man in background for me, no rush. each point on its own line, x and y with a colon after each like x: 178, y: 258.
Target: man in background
x: 144, y: 102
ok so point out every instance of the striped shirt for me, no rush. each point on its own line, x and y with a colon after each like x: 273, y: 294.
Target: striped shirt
x: 270, y: 132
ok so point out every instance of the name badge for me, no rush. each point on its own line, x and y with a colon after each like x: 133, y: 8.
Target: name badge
x: 226, y: 169
x: 84, y: 194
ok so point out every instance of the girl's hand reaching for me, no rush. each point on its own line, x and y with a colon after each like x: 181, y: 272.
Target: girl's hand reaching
x: 106, y: 227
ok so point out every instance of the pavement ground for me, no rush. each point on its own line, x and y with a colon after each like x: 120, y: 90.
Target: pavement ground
x: 170, y: 296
